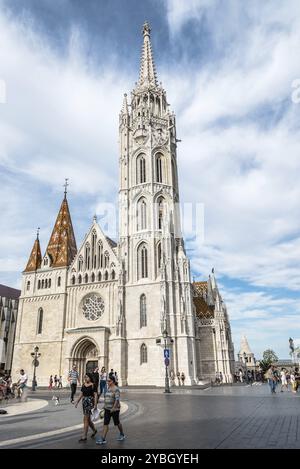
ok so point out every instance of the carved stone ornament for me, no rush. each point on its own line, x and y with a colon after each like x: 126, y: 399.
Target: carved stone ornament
x: 159, y: 136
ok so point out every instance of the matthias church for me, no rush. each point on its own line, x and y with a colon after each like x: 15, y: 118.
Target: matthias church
x: 115, y: 303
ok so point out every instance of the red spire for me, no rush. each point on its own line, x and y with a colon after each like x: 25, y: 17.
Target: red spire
x: 35, y: 259
x: 62, y: 244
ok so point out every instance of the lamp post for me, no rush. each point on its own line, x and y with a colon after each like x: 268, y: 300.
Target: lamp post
x: 35, y: 355
x: 245, y: 362
x: 167, y: 385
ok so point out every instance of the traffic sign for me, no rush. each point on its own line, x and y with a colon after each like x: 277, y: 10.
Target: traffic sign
x: 35, y: 362
x: 166, y: 353
x: 167, y: 362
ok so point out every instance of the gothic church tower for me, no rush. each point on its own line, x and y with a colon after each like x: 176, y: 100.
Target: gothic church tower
x: 156, y: 270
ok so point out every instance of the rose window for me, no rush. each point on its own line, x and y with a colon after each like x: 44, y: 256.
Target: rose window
x: 93, y: 307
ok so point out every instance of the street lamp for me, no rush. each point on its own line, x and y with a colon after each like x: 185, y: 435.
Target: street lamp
x: 245, y: 362
x: 35, y: 355
x: 167, y: 385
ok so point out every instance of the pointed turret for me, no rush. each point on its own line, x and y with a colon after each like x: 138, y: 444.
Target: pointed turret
x: 35, y: 258
x: 210, y: 295
x: 245, y: 346
x: 147, y: 71
x: 125, y: 105
x: 213, y: 279
x: 62, y: 245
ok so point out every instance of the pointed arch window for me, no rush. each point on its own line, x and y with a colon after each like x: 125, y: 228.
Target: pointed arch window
x: 142, y: 214
x: 80, y: 264
x: 86, y: 278
x: 106, y: 259
x: 106, y: 275
x: 140, y: 169
x: 113, y: 275
x: 158, y: 168
x: 40, y: 321
x: 143, y: 311
x: 159, y: 255
x: 59, y: 281
x: 43, y: 283
x: 142, y: 261
x: 28, y: 286
x: 73, y: 280
x: 46, y: 283
x: 99, y: 277
x: 49, y: 283
x: 79, y: 279
x: 100, y: 255
x: 39, y: 284
x: 94, y: 241
x: 160, y: 212
x: 144, y: 357
x: 87, y: 256
x: 93, y: 277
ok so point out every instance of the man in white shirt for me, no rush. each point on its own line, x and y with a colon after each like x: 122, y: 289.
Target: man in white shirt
x: 21, y: 384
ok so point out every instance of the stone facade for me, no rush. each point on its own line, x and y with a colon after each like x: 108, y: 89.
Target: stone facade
x: 9, y: 298
x: 109, y: 303
x: 213, y: 332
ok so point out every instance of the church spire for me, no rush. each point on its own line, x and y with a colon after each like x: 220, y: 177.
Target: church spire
x: 35, y: 258
x: 148, y: 76
x: 62, y: 244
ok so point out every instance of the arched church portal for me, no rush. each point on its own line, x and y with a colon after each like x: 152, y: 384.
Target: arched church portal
x: 85, y: 355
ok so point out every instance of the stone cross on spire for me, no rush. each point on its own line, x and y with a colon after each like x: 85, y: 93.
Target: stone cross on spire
x: 147, y: 72
x: 66, y: 187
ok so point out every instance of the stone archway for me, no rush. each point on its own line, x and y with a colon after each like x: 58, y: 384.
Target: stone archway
x: 85, y: 354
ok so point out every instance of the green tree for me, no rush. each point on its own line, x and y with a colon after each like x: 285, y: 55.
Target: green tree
x: 270, y: 356
x: 264, y: 365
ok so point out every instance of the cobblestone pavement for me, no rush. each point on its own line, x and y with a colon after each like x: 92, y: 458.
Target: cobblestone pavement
x: 219, y: 417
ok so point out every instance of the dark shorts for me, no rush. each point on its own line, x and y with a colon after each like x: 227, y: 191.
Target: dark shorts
x: 114, y: 415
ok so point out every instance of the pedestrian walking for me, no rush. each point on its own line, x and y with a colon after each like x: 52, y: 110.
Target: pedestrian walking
x: 249, y: 377
x: 241, y: 376
x: 60, y: 383
x: 178, y: 377
x: 55, y: 381
x: 283, y: 379
x: 111, y: 410
x: 111, y: 374
x: 95, y: 378
x: 89, y: 402
x: 293, y: 382
x: 221, y: 377
x: 103, y: 381
x: 172, y: 377
x: 73, y: 379
x: 182, y: 378
x: 217, y: 379
x: 297, y: 378
x: 50, y: 383
x: 116, y: 378
x: 271, y: 376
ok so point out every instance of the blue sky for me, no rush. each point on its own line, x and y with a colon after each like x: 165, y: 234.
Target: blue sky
x: 228, y: 69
